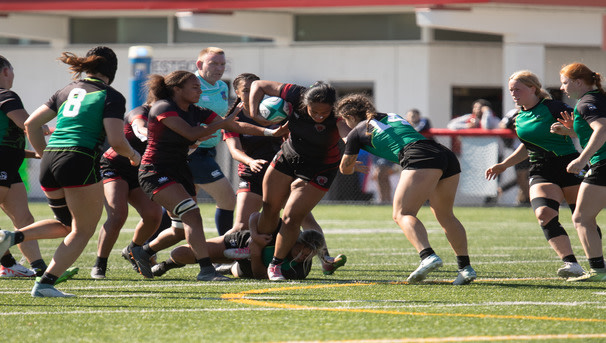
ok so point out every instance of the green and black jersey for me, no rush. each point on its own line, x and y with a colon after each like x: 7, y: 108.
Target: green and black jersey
x: 11, y: 135
x: 533, y: 125
x: 81, y: 107
x: 591, y: 106
x: 384, y: 136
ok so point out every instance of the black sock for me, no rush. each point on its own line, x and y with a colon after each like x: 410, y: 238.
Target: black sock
x: 149, y: 250
x: 277, y: 261
x: 131, y: 245
x: 570, y: 258
x: 426, y: 253
x: 8, y: 260
x: 462, y: 261
x: 19, y: 237
x: 48, y: 279
x: 101, y: 262
x: 204, y: 262
x: 170, y: 264
x: 39, y: 266
x: 597, y: 262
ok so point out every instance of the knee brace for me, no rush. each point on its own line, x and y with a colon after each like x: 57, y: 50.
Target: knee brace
x: 59, y: 208
x: 183, y: 207
x: 553, y: 229
x: 540, y: 202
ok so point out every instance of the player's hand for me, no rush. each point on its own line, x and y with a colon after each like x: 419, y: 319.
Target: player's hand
x: 494, y: 171
x: 567, y: 119
x: 257, y: 165
x: 135, y: 159
x: 360, y: 167
x: 575, y: 166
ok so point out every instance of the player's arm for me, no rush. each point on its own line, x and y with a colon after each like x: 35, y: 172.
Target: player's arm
x: 596, y: 141
x: 114, y: 128
x: 35, y: 127
x: 237, y: 153
x: 348, y: 164
x: 258, y: 89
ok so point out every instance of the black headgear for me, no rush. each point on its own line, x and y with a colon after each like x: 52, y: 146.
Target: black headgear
x: 110, y: 65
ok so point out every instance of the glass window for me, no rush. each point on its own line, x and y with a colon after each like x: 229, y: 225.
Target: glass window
x: 360, y: 27
x: 118, y: 30
x: 450, y: 35
x: 20, y: 41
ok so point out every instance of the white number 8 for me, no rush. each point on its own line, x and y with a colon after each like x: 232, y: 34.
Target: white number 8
x: 73, y: 103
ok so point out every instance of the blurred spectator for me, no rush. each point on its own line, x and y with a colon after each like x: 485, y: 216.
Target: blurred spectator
x: 481, y: 116
x: 421, y: 124
x: 522, y: 168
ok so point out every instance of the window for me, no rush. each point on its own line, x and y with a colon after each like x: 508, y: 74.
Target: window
x: 450, y: 35
x: 118, y: 30
x: 357, y: 27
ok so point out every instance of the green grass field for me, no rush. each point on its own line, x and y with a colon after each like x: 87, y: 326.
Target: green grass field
x: 517, y: 296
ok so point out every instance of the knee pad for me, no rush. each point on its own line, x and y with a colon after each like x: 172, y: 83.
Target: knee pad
x: 553, y: 229
x: 61, y: 211
x: 540, y: 202
x: 184, y: 206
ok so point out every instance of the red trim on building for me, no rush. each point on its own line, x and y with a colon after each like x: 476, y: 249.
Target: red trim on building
x: 604, y: 32
x: 201, y: 5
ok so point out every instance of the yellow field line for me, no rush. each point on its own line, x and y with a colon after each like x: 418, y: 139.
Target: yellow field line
x: 241, y: 298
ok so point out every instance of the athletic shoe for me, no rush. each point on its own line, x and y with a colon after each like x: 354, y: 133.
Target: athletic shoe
x: 210, y: 274
x: 126, y: 254
x: 274, y: 273
x: 142, y: 260
x: 329, y: 267
x: 67, y: 275
x: 223, y: 268
x: 97, y: 273
x: 428, y: 265
x: 16, y: 270
x: 591, y: 276
x: 45, y: 290
x: 159, y: 269
x: 570, y: 269
x: 7, y: 238
x: 237, y: 253
x: 466, y: 276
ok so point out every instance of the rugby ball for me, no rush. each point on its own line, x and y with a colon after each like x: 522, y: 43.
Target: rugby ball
x: 275, y: 109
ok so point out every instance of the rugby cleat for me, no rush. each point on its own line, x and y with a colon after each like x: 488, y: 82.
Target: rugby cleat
x: 591, y: 276
x: 42, y: 290
x: 67, y: 275
x: 7, y: 238
x: 126, y: 254
x: 428, y: 265
x: 16, y: 270
x: 97, y: 273
x: 330, y: 265
x: 210, y: 274
x: 143, y: 261
x: 274, y: 273
x: 570, y: 269
x: 465, y: 277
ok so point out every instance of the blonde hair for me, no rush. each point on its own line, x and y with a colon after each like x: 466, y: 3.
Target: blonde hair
x: 529, y: 79
x: 210, y: 50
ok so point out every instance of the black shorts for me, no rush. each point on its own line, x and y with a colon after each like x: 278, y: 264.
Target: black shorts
x: 319, y: 174
x: 239, y: 239
x: 10, y: 162
x: 428, y: 154
x: 154, y: 178
x: 112, y: 170
x: 69, y: 167
x: 553, y: 170
x: 203, y: 166
x: 251, y: 182
x: 596, y: 174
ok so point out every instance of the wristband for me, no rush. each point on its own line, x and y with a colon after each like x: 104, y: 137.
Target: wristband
x: 268, y: 132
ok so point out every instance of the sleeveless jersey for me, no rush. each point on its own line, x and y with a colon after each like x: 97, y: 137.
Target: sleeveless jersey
x: 215, y: 98
x: 314, y: 141
x: 591, y: 106
x: 165, y: 146
x: 533, y: 125
x: 384, y: 136
x: 81, y: 107
x: 11, y: 135
x: 139, y: 112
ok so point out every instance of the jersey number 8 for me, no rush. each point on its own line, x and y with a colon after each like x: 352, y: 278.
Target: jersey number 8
x: 73, y: 103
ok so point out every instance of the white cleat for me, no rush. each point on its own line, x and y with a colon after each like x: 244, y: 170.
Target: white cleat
x: 428, y: 265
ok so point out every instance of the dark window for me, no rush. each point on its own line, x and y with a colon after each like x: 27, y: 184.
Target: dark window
x: 357, y: 27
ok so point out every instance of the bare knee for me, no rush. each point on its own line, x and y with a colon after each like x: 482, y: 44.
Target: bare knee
x: 545, y: 215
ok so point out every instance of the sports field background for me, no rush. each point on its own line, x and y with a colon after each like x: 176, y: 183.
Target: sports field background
x: 517, y: 296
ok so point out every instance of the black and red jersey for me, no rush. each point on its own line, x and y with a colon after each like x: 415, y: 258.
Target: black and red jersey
x: 165, y: 146
x: 311, y: 140
x: 135, y: 140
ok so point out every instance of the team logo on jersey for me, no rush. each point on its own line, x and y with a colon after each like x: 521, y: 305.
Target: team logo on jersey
x: 320, y: 127
x: 321, y: 180
x: 3, y: 176
x: 591, y: 107
x: 224, y: 96
x: 108, y: 173
x: 163, y: 179
x: 233, y: 243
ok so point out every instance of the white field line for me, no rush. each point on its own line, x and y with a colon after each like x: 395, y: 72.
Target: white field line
x: 517, y: 338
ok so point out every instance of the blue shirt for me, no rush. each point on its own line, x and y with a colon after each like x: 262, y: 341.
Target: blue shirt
x: 215, y: 98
